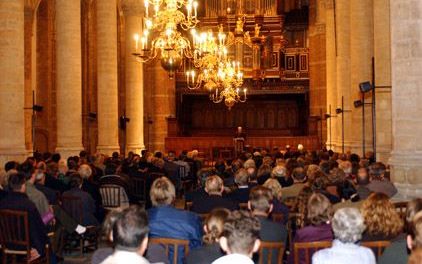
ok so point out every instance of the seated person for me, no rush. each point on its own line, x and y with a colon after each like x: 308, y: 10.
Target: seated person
x: 299, y: 181
x: 378, y: 181
x: 348, y: 226
x: 260, y: 204
x: 91, y: 188
x: 17, y: 199
x: 240, y: 238
x: 130, y: 237
x: 213, y: 228
x: 241, y: 193
x: 49, y: 193
x: 169, y: 222
x: 397, y: 252
x: 278, y: 206
x: 381, y: 218
x: 112, y: 178
x: 317, y: 223
x: 87, y: 201
x: 280, y: 173
x: 214, y: 188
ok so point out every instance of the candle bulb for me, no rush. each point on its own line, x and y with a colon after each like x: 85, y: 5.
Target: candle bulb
x: 193, y: 76
x: 143, y: 43
x: 146, y: 2
x: 195, y: 6
x: 136, y: 38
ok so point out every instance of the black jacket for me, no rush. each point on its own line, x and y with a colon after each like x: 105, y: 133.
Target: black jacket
x: 207, y: 203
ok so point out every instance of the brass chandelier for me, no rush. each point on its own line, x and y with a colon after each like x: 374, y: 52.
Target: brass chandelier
x: 160, y: 32
x: 218, y: 74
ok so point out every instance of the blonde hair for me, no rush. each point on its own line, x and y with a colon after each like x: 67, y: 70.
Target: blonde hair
x: 381, y: 217
x: 416, y: 230
x: 319, y: 209
x: 162, y: 192
x: 275, y: 188
x: 213, y: 184
x: 214, y: 224
x: 85, y: 171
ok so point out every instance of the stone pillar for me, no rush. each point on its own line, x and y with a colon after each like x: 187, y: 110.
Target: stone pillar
x: 332, y: 123
x: 134, y: 80
x: 69, y: 77
x: 12, y: 132
x: 160, y: 103
x: 382, y: 54
x: 406, y: 77
x: 317, y: 64
x: 343, y: 73
x: 361, y: 53
x: 107, y: 78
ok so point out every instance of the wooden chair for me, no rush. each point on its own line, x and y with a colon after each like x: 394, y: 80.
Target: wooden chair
x: 332, y: 189
x: 14, y: 228
x: 308, y: 249
x: 243, y: 206
x: 188, y: 206
x: 72, y: 205
x: 110, y: 195
x: 377, y: 247
x: 266, y: 251
x: 171, y: 244
x: 139, y: 188
x: 401, y: 209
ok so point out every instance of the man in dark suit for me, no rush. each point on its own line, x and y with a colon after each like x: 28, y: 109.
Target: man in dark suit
x: 260, y: 204
x: 214, y: 188
x: 241, y: 194
x: 17, y: 199
x: 88, y: 202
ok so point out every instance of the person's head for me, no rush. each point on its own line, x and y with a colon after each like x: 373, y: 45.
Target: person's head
x: 279, y: 172
x: 17, y: 181
x: 130, y: 231
x: 75, y: 181
x: 319, y: 210
x: 162, y: 192
x: 110, y: 168
x: 241, y: 234
x: 380, y: 215
x: 109, y: 221
x: 260, y: 201
x: 40, y: 176
x: 11, y: 165
x: 275, y: 188
x: 348, y: 225
x: 241, y: 177
x: 55, y: 157
x: 362, y: 177
x: 415, y: 257
x: 28, y: 170
x: 414, y: 239
x: 85, y: 171
x: 346, y: 166
x: 376, y: 171
x: 299, y: 175
x: 214, y: 185
x: 413, y: 207
x: 214, y: 225
x: 250, y: 163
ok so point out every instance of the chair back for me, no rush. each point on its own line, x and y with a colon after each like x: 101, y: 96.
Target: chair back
x: 172, y: 245
x: 14, y: 228
x: 267, y: 250
x: 401, y: 210
x: 73, y: 206
x: 182, y: 172
x: 377, y: 247
x: 307, y: 249
x: 139, y: 188
x: 110, y: 195
x: 243, y: 206
x: 332, y: 189
x: 188, y: 206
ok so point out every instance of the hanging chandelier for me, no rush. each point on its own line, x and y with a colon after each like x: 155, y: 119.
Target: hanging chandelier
x: 160, y: 35
x: 218, y: 74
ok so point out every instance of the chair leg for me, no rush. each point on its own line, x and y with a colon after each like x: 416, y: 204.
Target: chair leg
x: 82, y: 245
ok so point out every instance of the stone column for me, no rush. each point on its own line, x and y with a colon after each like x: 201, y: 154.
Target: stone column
x: 134, y: 80
x: 382, y: 54
x: 343, y: 73
x: 361, y: 53
x: 69, y: 77
x: 108, y: 117
x: 12, y: 132
x: 406, y: 77
x: 330, y: 44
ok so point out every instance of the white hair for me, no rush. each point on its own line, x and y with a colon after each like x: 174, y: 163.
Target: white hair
x: 348, y: 225
x: 85, y: 171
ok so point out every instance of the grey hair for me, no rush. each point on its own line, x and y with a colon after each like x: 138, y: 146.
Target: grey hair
x: 85, y: 171
x: 279, y: 171
x: 348, y: 225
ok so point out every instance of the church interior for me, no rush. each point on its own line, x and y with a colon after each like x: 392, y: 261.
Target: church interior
x: 216, y: 78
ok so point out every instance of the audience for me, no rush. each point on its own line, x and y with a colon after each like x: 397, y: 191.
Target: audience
x: 299, y: 180
x: 240, y: 238
x: 381, y: 218
x: 278, y: 206
x: 348, y: 225
x: 378, y: 182
x: 241, y: 193
x: 214, y: 188
x: 213, y: 228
